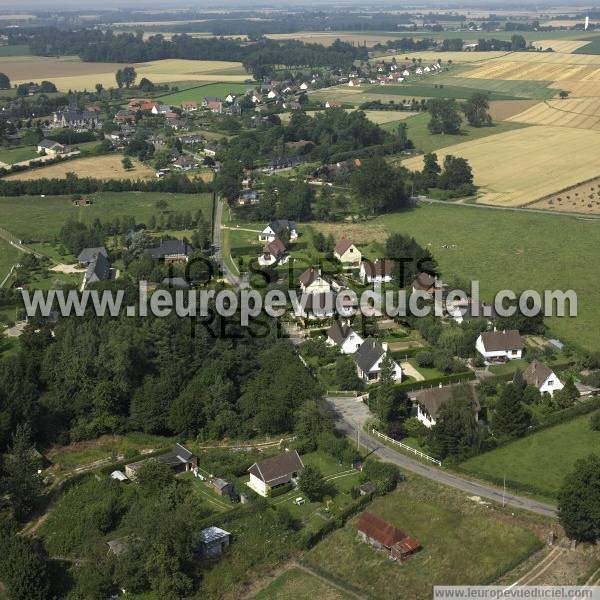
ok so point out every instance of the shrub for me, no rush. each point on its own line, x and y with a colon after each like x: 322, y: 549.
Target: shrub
x: 595, y: 421
x: 424, y: 359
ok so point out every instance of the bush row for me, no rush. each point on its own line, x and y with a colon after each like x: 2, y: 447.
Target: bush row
x: 445, y: 380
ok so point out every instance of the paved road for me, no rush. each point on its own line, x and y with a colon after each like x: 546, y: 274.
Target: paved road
x: 350, y: 416
x: 231, y: 277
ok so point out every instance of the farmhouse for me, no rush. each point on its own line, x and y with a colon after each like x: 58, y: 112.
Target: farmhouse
x: 380, y: 271
x: 430, y: 400
x: 274, y: 228
x: 312, y: 282
x: 98, y: 270
x: 384, y: 536
x: 171, y: 251
x: 270, y: 473
x: 347, y: 253
x: 51, y: 148
x: 342, y: 335
x: 74, y: 118
x: 499, y: 346
x: 273, y: 252
x: 542, y: 377
x: 87, y: 255
x: 369, y: 358
x: 213, y: 542
x: 179, y: 458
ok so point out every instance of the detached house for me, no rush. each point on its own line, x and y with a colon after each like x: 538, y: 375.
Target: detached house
x: 87, y: 255
x: 499, y: 346
x: 312, y: 282
x: 379, y: 271
x: 369, y: 358
x: 51, y: 148
x: 170, y: 251
x: 347, y: 253
x: 342, y: 335
x: 542, y: 377
x: 430, y: 401
x: 273, y: 252
x: 272, y: 230
x: 273, y: 472
x: 98, y: 269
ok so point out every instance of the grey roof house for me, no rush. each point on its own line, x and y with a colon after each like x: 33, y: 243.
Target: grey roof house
x: 87, y: 255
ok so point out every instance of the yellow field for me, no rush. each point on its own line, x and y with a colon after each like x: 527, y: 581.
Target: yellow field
x: 560, y: 45
x: 376, y: 116
x: 71, y: 73
x: 518, y: 167
x: 327, y: 38
x: 99, y: 167
x: 536, y: 71
x: 583, y: 113
x: 455, y: 57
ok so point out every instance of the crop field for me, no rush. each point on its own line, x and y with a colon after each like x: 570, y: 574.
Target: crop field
x: 195, y: 94
x: 39, y: 219
x: 432, y: 89
x: 501, y: 110
x: 297, y: 584
x: 583, y: 198
x: 525, y: 89
x: 327, y: 37
x: 541, y: 460
x: 71, y: 73
x: 432, y: 56
x: 582, y: 113
x: 564, y: 46
x: 99, y: 167
x: 503, y: 250
x: 463, y: 542
x: 505, y: 172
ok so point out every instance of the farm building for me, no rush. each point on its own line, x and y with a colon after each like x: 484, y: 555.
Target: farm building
x: 221, y: 487
x: 499, y: 346
x: 384, y: 536
x: 342, y: 335
x: 430, y: 401
x: 213, y: 541
x: 369, y: 358
x: 347, y: 253
x: 273, y: 472
x: 179, y: 458
x: 542, y: 377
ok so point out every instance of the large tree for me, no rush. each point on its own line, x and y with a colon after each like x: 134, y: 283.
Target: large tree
x: 579, y: 501
x: 476, y: 109
x: 511, y: 419
x: 378, y: 187
x: 311, y: 482
x: 445, y: 117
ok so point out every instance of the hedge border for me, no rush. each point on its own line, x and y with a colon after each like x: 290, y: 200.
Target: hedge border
x: 433, y: 382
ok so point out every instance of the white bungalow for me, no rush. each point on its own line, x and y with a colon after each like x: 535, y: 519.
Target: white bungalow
x: 369, y: 358
x: 542, y: 377
x: 342, y: 335
x: 498, y: 346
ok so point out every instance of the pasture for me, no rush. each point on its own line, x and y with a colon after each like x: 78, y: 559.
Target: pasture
x: 463, y: 542
x: 541, y: 460
x: 72, y: 73
x: 100, y: 167
x: 10, y: 156
x: 517, y: 167
x: 195, y: 94
x: 431, y: 88
x: 39, y: 219
x: 503, y: 250
x: 9, y: 255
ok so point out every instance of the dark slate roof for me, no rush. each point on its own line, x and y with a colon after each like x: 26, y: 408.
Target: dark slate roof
x: 277, y: 466
x: 87, y: 255
x: 280, y: 224
x: 537, y: 373
x: 338, y: 332
x: 169, y: 247
x: 175, y: 282
x: 433, y: 398
x: 49, y: 144
x: 212, y: 534
x: 496, y: 341
x: 98, y: 270
x: 369, y: 352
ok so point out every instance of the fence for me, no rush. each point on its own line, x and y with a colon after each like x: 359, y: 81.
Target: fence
x: 407, y: 448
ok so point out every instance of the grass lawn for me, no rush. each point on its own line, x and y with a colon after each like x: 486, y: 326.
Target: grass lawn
x: 427, y: 373
x: 540, y: 460
x: 9, y: 255
x: 427, y: 142
x: 463, y: 543
x: 195, y: 94
x: 15, y: 155
x: 433, y: 90
x: 297, y: 584
x: 39, y: 219
x: 509, y: 366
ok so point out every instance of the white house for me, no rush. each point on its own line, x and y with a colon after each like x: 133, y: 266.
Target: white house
x: 342, y: 335
x: 369, y: 358
x: 405, y: 73
x: 51, y: 148
x: 274, y: 472
x: 498, y: 346
x: 469, y: 311
x: 312, y: 282
x: 379, y: 271
x: 273, y: 252
x: 400, y: 79
x: 347, y: 253
x: 426, y: 70
x: 304, y: 86
x: 230, y: 98
x: 272, y: 94
x: 430, y: 401
x: 270, y: 232
x: 542, y: 377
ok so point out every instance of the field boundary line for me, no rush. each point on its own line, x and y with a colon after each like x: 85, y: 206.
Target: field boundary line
x: 330, y: 581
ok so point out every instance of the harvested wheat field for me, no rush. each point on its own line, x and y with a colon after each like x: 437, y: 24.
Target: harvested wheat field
x: 517, y: 167
x: 582, y: 113
x: 327, y: 38
x: 564, y: 46
x: 535, y: 71
x: 502, y: 110
x: 71, y: 73
x: 98, y: 167
x: 584, y: 199
x: 455, y: 57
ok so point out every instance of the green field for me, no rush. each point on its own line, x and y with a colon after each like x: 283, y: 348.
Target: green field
x: 535, y: 90
x: 16, y: 50
x: 195, y: 94
x: 297, y: 584
x: 539, y: 461
x: 426, y: 90
x: 39, y: 219
x: 463, y: 543
x: 9, y: 255
x: 592, y: 48
x: 427, y: 142
x: 15, y: 155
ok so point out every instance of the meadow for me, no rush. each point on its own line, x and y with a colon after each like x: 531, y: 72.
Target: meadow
x: 10, y: 156
x: 196, y: 94
x: 541, y: 460
x: 108, y: 166
x: 433, y: 89
x: 39, y: 219
x: 503, y: 250
x: 517, y: 167
x: 463, y: 542
x: 9, y: 255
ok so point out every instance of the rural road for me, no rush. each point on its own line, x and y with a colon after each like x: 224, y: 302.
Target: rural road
x: 350, y: 415
x: 233, y: 279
